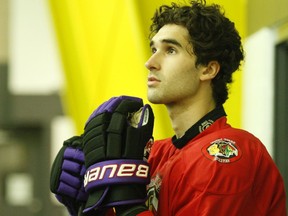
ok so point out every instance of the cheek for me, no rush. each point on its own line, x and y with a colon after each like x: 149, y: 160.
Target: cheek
x: 187, y: 81
x: 180, y: 73
x: 186, y: 76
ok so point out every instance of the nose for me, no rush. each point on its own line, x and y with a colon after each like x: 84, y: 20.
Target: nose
x: 153, y: 63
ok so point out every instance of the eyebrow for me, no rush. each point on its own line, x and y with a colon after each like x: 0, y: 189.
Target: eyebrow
x: 168, y: 41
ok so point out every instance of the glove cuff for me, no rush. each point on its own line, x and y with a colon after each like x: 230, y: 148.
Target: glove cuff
x: 122, y: 171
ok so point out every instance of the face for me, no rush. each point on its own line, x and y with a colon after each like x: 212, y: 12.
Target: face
x: 173, y: 76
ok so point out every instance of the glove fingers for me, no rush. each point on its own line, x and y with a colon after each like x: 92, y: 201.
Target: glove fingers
x: 74, y: 154
x: 110, y: 105
x: 97, y: 144
x: 128, y: 106
x: 105, y: 107
x: 67, y: 190
x: 68, y: 159
x: 66, y: 179
x: 114, y: 136
x: 114, y: 146
x: 94, y: 150
x: 100, y: 120
x: 94, y: 139
x: 70, y: 179
x: 93, y: 156
x: 71, y: 166
x: 73, y: 141
x: 117, y: 127
x: 56, y: 170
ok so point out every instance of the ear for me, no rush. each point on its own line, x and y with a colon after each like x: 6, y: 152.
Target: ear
x: 210, y: 71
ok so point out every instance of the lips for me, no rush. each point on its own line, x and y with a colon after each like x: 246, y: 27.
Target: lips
x: 152, y: 81
x: 152, y: 78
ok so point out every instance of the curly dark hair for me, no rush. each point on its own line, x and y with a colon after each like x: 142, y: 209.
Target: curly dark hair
x: 212, y: 36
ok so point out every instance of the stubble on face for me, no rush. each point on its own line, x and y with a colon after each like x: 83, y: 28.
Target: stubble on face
x: 177, y: 72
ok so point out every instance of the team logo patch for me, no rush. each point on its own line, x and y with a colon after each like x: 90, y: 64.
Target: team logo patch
x: 222, y: 150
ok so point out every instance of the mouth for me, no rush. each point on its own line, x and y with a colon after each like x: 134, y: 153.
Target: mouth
x: 152, y: 81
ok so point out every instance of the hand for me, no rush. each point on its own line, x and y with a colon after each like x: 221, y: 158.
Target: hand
x: 66, y: 180
x: 116, y: 172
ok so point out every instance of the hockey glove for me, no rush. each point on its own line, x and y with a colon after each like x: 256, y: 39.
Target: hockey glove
x: 116, y: 172
x: 66, y: 180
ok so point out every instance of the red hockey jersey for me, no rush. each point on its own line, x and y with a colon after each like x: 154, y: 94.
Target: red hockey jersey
x: 220, y: 171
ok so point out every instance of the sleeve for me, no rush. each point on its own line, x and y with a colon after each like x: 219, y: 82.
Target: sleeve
x: 269, y: 187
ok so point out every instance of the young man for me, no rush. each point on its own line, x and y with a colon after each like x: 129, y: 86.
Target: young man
x: 208, y: 167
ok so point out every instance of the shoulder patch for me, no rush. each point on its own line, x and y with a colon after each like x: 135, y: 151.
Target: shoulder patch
x: 222, y: 150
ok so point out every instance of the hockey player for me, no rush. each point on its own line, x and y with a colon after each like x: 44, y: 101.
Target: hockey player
x: 208, y: 167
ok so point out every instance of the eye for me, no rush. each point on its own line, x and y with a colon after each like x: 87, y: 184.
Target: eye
x: 153, y: 49
x: 171, y: 50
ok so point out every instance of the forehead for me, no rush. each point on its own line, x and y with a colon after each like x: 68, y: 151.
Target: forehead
x: 172, y: 31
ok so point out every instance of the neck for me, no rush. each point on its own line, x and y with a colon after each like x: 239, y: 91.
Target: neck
x: 185, y: 114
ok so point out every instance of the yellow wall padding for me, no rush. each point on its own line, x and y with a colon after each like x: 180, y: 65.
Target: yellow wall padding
x: 104, y: 45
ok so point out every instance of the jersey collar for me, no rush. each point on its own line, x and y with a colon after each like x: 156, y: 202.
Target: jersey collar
x: 198, y: 127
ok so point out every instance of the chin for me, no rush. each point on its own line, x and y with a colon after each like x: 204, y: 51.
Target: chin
x: 155, y: 102
x: 154, y: 99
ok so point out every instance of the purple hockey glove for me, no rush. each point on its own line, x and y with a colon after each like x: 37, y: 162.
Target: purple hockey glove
x: 114, y: 146
x: 66, y: 180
